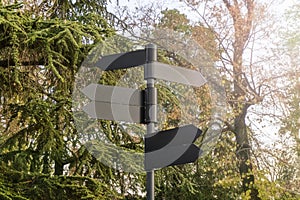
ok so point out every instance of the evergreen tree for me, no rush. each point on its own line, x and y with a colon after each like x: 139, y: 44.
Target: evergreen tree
x: 42, y: 47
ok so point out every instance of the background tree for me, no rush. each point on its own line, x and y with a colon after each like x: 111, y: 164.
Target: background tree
x: 190, y: 181
x: 251, y: 75
x: 42, y: 46
x: 291, y: 118
x: 239, y: 25
x: 201, y: 180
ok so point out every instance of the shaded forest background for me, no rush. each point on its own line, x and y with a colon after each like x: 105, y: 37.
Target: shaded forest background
x: 43, y: 44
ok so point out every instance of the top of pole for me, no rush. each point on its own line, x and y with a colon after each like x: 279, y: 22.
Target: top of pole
x: 151, y: 45
x: 151, y: 53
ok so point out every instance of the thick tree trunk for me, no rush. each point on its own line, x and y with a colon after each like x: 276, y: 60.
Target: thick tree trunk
x: 243, y: 154
x: 242, y: 22
x: 59, y: 168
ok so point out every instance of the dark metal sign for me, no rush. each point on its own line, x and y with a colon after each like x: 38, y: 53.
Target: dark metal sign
x: 122, y: 60
x: 170, y: 156
x: 172, y: 137
x: 171, y: 147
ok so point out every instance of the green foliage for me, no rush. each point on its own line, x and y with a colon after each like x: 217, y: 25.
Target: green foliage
x: 290, y: 176
x: 20, y: 185
x: 178, y: 22
x: 212, y: 177
x: 291, y: 33
x: 175, y: 20
x: 39, y: 59
x: 292, y: 44
x: 40, y: 152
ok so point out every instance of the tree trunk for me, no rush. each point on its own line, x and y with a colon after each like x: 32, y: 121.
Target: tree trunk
x: 242, y: 22
x: 243, y: 153
x: 59, y: 168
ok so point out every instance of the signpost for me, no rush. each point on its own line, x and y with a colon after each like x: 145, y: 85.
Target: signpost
x: 162, y: 148
x: 151, y: 107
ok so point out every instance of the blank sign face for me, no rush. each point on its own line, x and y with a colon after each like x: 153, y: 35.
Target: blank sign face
x: 111, y: 111
x: 114, y: 103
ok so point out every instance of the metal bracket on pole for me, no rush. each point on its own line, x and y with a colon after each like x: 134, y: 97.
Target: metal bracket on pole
x: 150, y: 105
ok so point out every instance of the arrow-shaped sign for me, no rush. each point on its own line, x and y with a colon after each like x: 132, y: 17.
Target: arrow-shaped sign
x: 114, y: 103
x: 174, y: 155
x: 175, y: 74
x: 117, y: 112
x: 113, y: 94
x: 122, y: 60
x: 159, y: 70
x: 171, y: 147
x: 172, y: 137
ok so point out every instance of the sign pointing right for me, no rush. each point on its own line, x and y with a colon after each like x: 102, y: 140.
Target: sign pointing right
x: 172, y: 147
x: 170, y: 156
x: 175, y: 74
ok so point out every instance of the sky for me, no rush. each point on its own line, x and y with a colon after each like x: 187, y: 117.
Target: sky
x: 278, y: 6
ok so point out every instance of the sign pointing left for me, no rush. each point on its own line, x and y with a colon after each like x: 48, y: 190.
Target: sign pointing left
x: 122, y: 60
x: 117, y: 112
x: 113, y: 94
x: 114, y: 103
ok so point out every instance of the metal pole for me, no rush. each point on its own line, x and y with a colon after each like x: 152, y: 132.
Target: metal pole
x: 151, y: 107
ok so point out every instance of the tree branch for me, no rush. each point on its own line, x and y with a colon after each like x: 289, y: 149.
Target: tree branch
x: 8, y: 63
